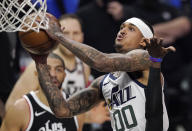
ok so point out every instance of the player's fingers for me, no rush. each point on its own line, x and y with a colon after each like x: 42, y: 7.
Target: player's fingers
x: 170, y: 49
x: 161, y: 41
x: 153, y: 42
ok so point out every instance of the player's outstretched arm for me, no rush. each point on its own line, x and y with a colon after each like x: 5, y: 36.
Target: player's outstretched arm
x: 79, y: 103
x: 154, y: 100
x: 132, y: 61
x: 154, y: 103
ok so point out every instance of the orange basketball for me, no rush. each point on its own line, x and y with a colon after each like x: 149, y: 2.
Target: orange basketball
x: 37, y: 42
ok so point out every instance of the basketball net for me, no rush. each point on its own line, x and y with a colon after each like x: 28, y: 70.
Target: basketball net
x: 14, y: 15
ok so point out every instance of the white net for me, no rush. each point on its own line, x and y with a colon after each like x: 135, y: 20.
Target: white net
x: 22, y: 15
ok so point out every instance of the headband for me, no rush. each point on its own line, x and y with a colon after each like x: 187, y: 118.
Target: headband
x: 144, y: 28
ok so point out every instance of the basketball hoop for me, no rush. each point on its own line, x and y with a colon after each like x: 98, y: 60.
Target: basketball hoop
x: 22, y: 15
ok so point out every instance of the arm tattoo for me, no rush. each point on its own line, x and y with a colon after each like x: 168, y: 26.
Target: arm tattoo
x: 132, y: 61
x: 87, y: 54
x: 86, y: 99
x: 137, y: 59
x: 79, y: 103
x: 52, y: 92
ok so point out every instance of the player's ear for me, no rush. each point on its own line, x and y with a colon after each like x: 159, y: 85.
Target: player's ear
x: 142, y: 43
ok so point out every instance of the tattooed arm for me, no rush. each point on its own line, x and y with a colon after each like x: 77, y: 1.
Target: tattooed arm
x: 137, y: 59
x: 98, y: 60
x: 77, y: 104
x: 133, y: 61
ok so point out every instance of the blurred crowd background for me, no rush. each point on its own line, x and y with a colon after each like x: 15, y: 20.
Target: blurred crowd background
x: 101, y: 19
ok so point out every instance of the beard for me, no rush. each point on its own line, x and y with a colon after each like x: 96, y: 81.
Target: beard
x: 57, y: 82
x: 118, y: 48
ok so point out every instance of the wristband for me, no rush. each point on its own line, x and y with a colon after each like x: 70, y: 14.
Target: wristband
x: 155, y: 59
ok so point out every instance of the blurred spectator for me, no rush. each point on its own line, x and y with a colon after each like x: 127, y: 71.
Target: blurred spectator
x: 59, y: 7
x: 84, y: 2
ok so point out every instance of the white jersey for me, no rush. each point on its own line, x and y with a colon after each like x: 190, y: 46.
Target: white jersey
x: 75, y: 79
x: 126, y: 102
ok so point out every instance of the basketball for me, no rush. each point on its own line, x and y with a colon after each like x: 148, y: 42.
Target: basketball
x: 38, y: 43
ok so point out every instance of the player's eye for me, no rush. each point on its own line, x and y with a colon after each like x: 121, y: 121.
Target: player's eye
x: 76, y: 33
x: 131, y: 29
x: 59, y: 69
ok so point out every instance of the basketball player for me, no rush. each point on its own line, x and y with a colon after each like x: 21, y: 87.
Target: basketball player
x: 123, y: 92
x: 32, y: 112
x: 77, y: 72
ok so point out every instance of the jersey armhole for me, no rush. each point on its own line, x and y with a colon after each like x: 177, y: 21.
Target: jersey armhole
x: 30, y: 122
x: 100, y: 87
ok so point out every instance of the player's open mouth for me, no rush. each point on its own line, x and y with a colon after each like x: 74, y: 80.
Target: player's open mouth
x: 119, y: 38
x: 56, y: 82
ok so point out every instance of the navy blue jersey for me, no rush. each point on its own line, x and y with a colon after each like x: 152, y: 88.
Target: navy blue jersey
x: 43, y: 119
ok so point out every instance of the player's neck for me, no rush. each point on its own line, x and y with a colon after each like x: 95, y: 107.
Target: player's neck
x: 42, y: 97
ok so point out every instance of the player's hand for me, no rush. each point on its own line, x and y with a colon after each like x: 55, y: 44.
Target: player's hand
x: 155, y: 48
x: 54, y: 27
x: 98, y: 114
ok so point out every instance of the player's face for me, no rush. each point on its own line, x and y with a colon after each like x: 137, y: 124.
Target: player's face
x: 56, y: 70
x: 71, y: 29
x: 128, y: 38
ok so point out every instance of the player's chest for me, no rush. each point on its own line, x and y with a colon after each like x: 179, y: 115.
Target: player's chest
x: 121, y: 92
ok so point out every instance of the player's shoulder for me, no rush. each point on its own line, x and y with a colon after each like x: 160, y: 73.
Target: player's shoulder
x: 18, y: 114
x: 105, y: 79
x: 21, y: 105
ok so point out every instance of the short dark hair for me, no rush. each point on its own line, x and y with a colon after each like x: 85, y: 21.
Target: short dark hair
x: 53, y: 55
x: 71, y: 16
